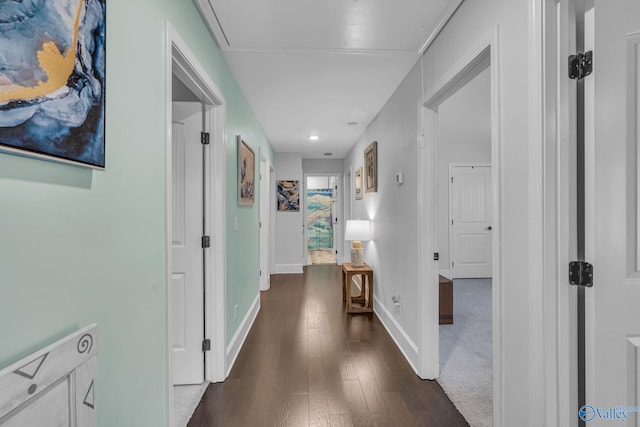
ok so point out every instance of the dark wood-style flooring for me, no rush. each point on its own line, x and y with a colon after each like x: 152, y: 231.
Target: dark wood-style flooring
x: 307, y: 363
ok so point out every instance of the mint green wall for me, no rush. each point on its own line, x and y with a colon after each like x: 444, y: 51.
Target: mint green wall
x: 80, y: 246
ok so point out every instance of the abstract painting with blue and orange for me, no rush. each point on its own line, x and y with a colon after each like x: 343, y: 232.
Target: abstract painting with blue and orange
x: 52, y: 79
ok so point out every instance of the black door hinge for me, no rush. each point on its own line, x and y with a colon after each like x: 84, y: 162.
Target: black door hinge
x: 206, y: 345
x: 206, y: 242
x: 204, y: 138
x: 581, y: 274
x: 580, y: 65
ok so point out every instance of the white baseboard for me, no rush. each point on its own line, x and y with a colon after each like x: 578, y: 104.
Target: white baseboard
x: 288, y: 268
x: 233, y: 349
x: 406, y: 345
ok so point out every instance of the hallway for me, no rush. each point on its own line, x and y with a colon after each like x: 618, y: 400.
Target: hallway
x: 307, y: 363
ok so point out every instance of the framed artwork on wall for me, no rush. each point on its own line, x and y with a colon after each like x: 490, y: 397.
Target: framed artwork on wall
x: 52, y: 80
x: 358, y: 183
x: 246, y: 173
x: 288, y: 195
x: 371, y: 168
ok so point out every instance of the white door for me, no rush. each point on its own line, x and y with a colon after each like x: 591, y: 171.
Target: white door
x: 470, y: 199
x: 187, y: 320
x: 612, y: 94
x: 265, y: 220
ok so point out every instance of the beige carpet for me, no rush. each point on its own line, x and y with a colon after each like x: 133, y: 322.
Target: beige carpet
x: 322, y: 256
x: 466, y: 359
x: 185, y: 401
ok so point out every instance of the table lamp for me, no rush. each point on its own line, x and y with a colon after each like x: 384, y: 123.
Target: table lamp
x: 357, y: 230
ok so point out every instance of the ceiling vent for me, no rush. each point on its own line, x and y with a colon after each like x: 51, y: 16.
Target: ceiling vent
x: 328, y: 154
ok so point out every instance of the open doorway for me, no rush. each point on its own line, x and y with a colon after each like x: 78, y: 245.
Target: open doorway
x: 464, y: 360
x: 195, y: 210
x: 465, y: 242
x: 321, y: 218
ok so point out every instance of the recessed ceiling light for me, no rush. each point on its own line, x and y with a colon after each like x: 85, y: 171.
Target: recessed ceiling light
x: 352, y: 124
x: 314, y: 138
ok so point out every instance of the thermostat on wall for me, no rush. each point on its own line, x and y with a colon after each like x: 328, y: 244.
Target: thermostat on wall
x: 399, y: 178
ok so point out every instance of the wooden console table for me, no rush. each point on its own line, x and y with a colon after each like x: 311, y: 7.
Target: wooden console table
x: 366, y: 289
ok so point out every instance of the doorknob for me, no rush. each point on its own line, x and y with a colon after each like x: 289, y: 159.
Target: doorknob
x: 489, y: 228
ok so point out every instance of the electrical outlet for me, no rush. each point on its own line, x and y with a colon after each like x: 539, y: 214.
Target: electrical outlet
x: 396, y: 303
x: 235, y: 312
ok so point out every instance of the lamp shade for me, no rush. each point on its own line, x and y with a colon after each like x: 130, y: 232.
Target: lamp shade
x: 357, y: 229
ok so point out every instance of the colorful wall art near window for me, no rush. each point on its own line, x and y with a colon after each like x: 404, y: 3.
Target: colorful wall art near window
x: 52, y: 79
x: 246, y: 181
x: 320, y: 218
x: 288, y: 196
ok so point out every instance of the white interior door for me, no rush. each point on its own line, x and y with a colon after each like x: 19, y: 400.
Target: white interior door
x: 187, y: 320
x: 612, y: 95
x: 265, y: 220
x: 470, y: 199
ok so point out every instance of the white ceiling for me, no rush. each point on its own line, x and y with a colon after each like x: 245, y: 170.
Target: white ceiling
x: 311, y: 67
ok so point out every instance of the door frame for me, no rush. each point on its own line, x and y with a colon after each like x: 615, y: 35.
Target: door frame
x: 265, y: 222
x: 180, y: 61
x: 337, y: 231
x: 347, y: 211
x: 552, y: 317
x: 486, y: 53
x: 552, y: 170
x: 272, y: 224
x: 451, y: 166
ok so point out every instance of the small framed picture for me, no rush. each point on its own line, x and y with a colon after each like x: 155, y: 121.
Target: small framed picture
x: 371, y: 168
x: 358, y: 183
x: 246, y: 174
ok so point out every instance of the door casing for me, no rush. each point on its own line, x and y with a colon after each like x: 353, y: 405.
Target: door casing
x: 180, y: 61
x: 484, y: 54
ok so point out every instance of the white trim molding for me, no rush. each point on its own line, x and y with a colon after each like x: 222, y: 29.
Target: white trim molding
x: 406, y: 345
x: 288, y: 269
x: 236, y: 343
x: 536, y: 191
